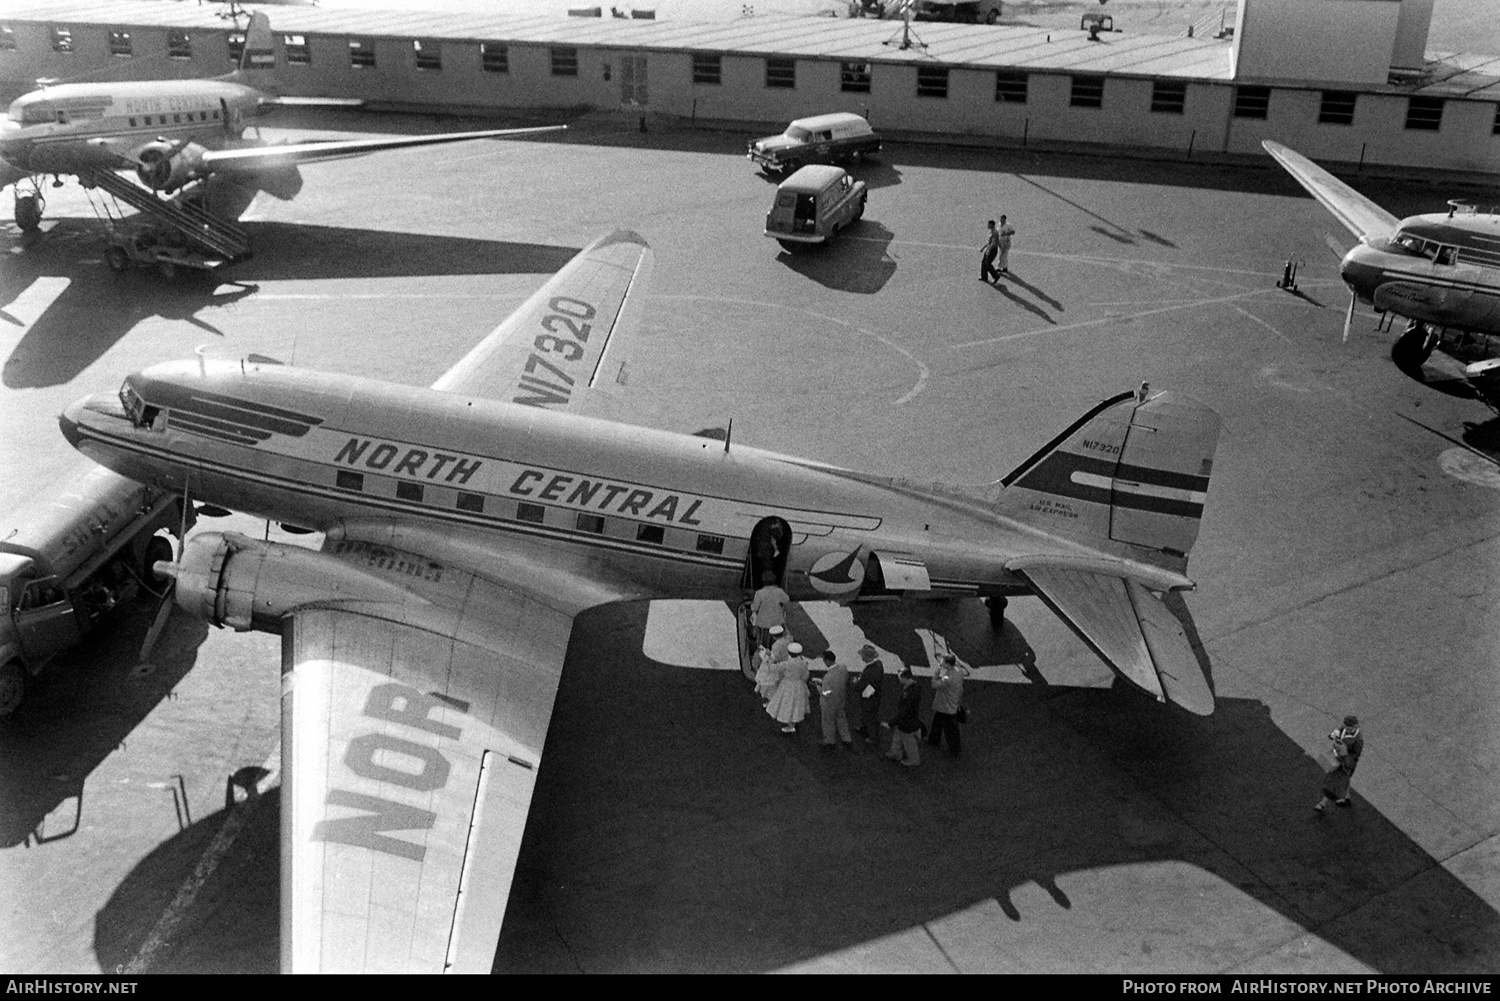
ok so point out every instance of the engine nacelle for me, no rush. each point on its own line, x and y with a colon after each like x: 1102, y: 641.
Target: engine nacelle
x: 166, y: 166
x: 233, y: 580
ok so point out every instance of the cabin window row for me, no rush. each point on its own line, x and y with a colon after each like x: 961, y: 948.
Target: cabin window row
x: 146, y: 121
x: 540, y: 514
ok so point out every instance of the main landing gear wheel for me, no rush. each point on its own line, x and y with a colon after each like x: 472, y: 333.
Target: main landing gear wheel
x: 29, y: 212
x: 996, y: 605
x: 1414, y: 347
x: 12, y: 687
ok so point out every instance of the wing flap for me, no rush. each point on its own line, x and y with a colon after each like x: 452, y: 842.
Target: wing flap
x: 1358, y: 214
x: 1130, y: 629
x: 566, y: 338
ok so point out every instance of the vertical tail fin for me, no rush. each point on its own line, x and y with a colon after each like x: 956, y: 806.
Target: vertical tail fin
x: 258, y: 59
x: 1129, y: 478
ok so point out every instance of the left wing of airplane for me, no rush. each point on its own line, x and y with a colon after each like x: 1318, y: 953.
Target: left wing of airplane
x: 1359, y: 215
x: 256, y: 158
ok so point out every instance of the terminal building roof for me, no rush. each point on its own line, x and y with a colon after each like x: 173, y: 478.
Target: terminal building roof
x: 1462, y: 75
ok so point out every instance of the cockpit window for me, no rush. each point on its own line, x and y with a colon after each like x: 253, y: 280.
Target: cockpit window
x: 1437, y: 252
x: 141, y: 413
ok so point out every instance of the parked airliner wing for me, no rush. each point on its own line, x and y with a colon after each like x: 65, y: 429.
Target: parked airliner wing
x: 1359, y: 215
x: 252, y: 159
x: 411, y: 736
x: 565, y: 339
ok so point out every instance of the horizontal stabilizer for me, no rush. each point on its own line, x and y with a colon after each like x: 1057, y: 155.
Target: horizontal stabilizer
x: 1130, y: 629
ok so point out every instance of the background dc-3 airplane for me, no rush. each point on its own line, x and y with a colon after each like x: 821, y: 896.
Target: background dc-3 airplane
x: 469, y: 523
x: 1440, y: 270
x: 174, y: 132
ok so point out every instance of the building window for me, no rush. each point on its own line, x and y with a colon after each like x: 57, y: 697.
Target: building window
x: 119, y: 43
x: 781, y: 72
x: 7, y: 38
x: 1337, y: 107
x: 651, y: 533
x: 531, y: 512
x: 1088, y: 92
x: 494, y: 57
x: 62, y: 39
x: 854, y: 78
x: 1168, y: 97
x: 1252, y: 102
x: 429, y: 53
x: 179, y: 45
x: 564, y: 62
x: 1010, y: 87
x: 297, y: 52
x: 408, y: 491
x: 1494, y: 131
x: 1424, y: 113
x: 591, y: 523
x: 362, y: 53
x: 350, y: 481
x: 471, y: 502
x: 707, y: 69
x: 710, y: 543
x: 235, y: 42
x: 932, y: 81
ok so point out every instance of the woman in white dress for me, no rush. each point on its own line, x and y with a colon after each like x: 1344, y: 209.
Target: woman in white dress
x: 788, y: 703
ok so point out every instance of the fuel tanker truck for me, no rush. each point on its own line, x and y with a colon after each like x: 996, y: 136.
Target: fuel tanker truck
x: 77, y: 550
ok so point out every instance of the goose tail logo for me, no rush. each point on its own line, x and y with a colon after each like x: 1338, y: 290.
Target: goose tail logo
x: 838, y: 573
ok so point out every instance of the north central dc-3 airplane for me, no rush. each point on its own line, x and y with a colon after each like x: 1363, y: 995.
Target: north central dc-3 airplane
x: 174, y: 132
x: 1440, y: 270
x: 468, y: 524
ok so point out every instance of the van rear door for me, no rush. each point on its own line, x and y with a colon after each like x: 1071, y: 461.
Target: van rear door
x: 805, y: 213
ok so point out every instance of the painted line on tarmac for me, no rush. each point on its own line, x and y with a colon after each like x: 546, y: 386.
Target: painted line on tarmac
x: 1111, y: 319
x: 166, y: 925
x: 1081, y: 258
x: 1251, y: 316
x: 923, y: 372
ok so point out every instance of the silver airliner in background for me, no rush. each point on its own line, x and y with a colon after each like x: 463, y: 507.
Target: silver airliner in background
x: 1439, y: 270
x: 466, y: 525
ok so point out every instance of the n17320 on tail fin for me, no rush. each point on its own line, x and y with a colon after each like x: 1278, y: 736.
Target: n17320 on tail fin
x: 1124, y: 487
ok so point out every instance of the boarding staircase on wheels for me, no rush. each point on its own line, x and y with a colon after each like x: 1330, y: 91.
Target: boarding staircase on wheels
x: 221, y: 239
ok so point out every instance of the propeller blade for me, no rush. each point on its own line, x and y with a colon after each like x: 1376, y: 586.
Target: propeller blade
x: 1349, y: 318
x: 159, y: 623
x: 1335, y: 245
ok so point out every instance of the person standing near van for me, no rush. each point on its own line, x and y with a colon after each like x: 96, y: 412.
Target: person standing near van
x: 987, y: 272
x: 1005, y: 233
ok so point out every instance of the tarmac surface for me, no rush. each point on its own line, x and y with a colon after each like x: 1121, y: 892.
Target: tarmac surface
x: 1347, y: 563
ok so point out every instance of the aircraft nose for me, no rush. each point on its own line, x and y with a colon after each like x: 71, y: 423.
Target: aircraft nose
x: 70, y: 419
x: 1361, y: 274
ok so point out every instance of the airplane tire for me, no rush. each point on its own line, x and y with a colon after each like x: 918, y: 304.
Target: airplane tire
x: 117, y: 259
x: 12, y: 687
x: 996, y: 605
x: 1413, y: 348
x: 29, y: 213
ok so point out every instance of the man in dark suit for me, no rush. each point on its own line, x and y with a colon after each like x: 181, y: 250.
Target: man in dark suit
x: 868, y: 686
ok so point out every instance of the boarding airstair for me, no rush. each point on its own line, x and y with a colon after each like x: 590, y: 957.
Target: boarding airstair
x: 223, y: 240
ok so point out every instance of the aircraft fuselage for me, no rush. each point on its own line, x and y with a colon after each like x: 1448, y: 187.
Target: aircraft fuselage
x: 673, y: 513
x: 1436, y: 268
x: 77, y: 126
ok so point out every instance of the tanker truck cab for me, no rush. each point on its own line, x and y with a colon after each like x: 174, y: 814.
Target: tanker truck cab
x: 84, y: 546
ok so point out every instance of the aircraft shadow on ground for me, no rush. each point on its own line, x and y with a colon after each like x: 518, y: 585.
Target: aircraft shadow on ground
x: 858, y: 260
x: 68, y: 336
x: 77, y: 713
x: 673, y: 827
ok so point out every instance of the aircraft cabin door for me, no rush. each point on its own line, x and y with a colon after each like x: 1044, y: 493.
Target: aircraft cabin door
x: 769, y: 542
x: 633, y: 80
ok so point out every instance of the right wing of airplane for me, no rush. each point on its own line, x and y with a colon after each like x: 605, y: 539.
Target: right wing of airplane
x: 1359, y: 215
x: 253, y: 159
x: 567, y: 338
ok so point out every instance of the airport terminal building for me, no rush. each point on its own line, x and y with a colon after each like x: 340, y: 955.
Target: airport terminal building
x: 1340, y: 80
